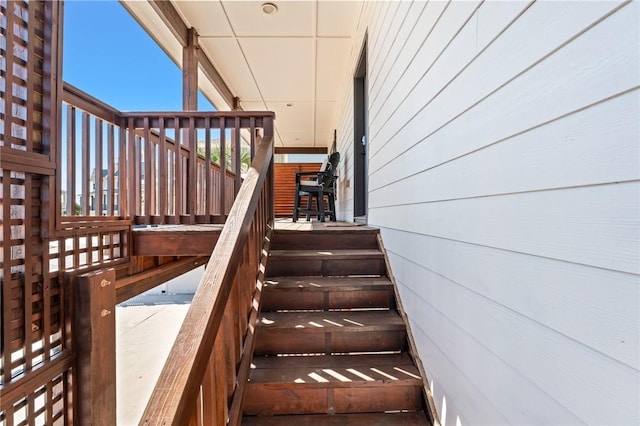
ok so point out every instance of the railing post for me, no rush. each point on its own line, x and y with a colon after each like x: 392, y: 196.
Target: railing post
x: 95, y: 346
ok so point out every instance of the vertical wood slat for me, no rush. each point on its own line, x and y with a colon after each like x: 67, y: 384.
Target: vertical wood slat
x: 146, y: 212
x: 86, y: 163
x: 207, y: 170
x: 208, y: 393
x: 130, y: 190
x: 178, y: 175
x: 28, y: 273
x: 98, y: 168
x: 237, y: 142
x: 162, y: 172
x: 220, y: 382
x: 123, y: 174
x: 110, y: 169
x: 6, y: 273
x: 153, y: 179
x: 193, y: 165
x: 9, y: 79
x: 252, y: 143
x: 223, y: 169
x: 30, y: 83
x: 71, y: 160
x: 138, y: 170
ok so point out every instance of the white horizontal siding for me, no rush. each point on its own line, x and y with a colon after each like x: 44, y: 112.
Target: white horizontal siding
x: 596, y: 225
x: 510, y: 357
x: 504, y: 105
x: 543, y: 158
x: 504, y: 171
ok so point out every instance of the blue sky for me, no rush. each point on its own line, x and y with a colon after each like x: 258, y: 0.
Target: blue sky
x: 108, y: 55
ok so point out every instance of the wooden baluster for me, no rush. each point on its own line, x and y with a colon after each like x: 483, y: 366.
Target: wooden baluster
x: 220, y: 379
x: 192, y: 165
x: 153, y: 179
x: 179, y: 173
x: 252, y: 128
x: 97, y: 200
x: 86, y: 163
x: 229, y: 339
x: 71, y: 160
x: 123, y: 174
x: 146, y: 178
x: 207, y: 174
x: 131, y: 176
x: 163, y: 173
x: 110, y: 170
x: 237, y: 139
x: 223, y: 169
x: 208, y: 392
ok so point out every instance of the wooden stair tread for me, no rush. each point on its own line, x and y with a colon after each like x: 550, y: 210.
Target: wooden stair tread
x: 327, y: 283
x: 327, y: 254
x: 338, y: 371
x: 335, y: 361
x: 415, y: 418
x: 324, y: 322
x: 329, y: 228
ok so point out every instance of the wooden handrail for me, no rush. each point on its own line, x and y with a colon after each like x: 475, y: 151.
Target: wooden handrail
x: 205, y: 351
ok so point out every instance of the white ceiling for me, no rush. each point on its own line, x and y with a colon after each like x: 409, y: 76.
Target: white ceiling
x: 290, y: 62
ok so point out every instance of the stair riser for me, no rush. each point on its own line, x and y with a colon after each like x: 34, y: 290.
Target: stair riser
x: 267, y: 399
x: 274, y: 300
x: 270, y: 342
x: 330, y: 241
x: 324, y: 267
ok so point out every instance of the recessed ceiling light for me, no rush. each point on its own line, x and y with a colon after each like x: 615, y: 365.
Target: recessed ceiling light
x: 269, y: 8
x: 289, y: 105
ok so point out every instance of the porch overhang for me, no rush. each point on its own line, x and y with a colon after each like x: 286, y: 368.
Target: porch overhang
x: 295, y: 62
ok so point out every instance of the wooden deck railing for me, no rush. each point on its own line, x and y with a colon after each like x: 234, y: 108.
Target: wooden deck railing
x: 149, y: 167
x: 203, y: 378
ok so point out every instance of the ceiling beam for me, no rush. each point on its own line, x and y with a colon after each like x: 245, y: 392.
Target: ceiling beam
x: 300, y: 150
x: 172, y: 19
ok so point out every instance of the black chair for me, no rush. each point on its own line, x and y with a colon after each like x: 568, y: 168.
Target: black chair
x: 318, y: 185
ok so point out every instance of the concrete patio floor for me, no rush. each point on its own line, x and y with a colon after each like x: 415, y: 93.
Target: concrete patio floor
x: 146, y: 327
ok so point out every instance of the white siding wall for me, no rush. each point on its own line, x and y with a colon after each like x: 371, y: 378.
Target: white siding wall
x: 504, y: 172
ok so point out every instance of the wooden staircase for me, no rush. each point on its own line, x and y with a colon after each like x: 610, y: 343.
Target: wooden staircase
x: 331, y: 347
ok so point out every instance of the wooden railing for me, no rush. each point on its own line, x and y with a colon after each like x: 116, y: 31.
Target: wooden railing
x: 203, y: 379
x: 149, y: 167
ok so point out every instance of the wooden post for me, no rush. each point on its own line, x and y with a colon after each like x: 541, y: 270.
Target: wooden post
x: 95, y: 346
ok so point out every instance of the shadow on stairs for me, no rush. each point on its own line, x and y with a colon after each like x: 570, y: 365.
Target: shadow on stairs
x: 331, y: 346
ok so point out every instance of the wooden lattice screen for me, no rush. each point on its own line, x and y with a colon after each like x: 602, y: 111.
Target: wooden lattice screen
x: 36, y: 375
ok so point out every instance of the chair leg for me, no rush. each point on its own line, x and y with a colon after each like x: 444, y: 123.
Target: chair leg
x: 332, y: 207
x: 309, y: 204
x: 296, y: 206
x: 321, y: 206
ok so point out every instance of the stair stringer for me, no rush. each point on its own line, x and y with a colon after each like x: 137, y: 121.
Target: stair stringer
x: 431, y: 411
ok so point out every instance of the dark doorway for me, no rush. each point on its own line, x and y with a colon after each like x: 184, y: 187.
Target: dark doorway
x: 360, y: 142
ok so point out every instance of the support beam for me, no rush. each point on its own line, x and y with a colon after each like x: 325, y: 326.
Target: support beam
x: 190, y: 72
x: 133, y: 285
x: 300, y: 150
x: 95, y: 343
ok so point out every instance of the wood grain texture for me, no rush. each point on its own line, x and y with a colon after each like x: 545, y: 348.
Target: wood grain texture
x: 181, y: 377
x: 95, y: 341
